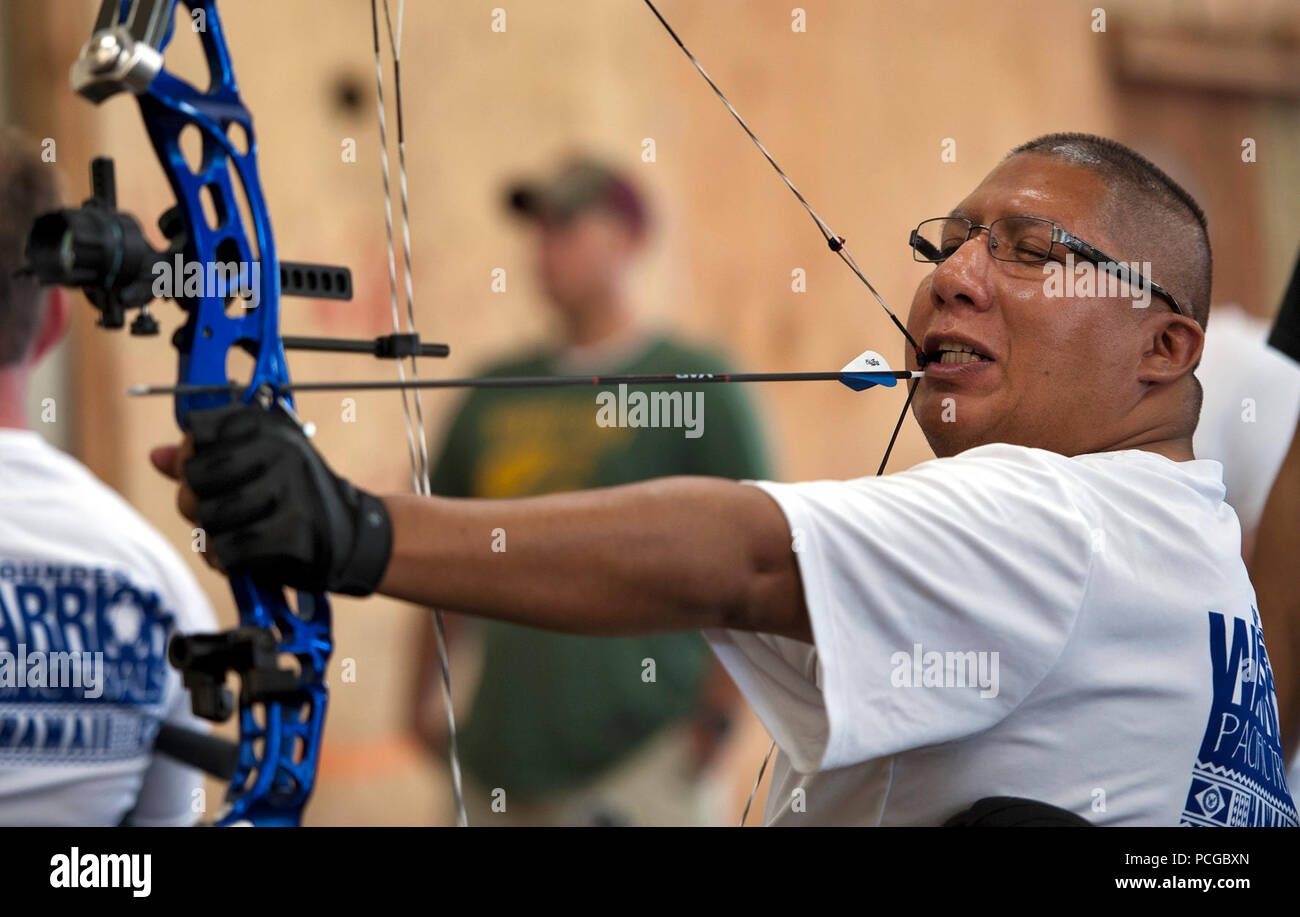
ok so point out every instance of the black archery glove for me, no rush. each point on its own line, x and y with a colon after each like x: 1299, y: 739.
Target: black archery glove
x: 273, y: 509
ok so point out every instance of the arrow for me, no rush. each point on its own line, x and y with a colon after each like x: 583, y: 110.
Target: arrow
x: 858, y: 381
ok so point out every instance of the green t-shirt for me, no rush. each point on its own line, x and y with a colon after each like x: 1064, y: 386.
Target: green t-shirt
x: 553, y: 710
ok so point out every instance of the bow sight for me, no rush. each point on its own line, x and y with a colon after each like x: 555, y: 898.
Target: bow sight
x: 104, y: 252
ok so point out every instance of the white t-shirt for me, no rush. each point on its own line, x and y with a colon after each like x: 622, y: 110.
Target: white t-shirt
x: 85, y: 580
x: 1248, y: 416
x: 1011, y: 622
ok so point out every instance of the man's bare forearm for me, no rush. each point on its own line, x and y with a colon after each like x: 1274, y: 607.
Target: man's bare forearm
x: 673, y: 554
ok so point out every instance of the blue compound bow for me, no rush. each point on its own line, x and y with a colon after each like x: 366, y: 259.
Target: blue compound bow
x: 102, y: 250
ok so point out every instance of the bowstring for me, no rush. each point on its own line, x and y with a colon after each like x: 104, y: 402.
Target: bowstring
x: 419, y: 454
x: 837, y: 245
x: 388, y: 226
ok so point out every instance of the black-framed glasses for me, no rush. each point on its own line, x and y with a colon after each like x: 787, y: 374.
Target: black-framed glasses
x: 1020, y: 240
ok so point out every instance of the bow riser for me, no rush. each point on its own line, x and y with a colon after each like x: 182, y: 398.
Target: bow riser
x: 281, y: 713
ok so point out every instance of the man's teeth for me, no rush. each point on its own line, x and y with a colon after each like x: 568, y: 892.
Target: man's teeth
x: 959, y: 353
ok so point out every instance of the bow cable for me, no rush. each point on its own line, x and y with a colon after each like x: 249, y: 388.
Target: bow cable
x: 415, y: 431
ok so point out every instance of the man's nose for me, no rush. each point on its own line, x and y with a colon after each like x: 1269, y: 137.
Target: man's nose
x: 966, y: 275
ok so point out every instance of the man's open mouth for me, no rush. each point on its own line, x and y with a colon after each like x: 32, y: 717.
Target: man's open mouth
x: 956, y: 353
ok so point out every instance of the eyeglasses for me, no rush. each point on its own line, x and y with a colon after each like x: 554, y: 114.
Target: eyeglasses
x: 1021, y: 240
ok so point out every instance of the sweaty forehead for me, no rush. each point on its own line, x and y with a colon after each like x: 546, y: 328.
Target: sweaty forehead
x: 1040, y: 186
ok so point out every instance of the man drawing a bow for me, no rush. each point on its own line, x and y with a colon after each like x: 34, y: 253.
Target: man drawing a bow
x: 1066, y: 537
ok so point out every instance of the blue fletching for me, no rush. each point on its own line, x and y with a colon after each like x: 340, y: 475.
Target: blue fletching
x: 860, y: 382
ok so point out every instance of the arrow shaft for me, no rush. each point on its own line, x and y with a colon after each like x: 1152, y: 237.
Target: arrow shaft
x: 491, y: 382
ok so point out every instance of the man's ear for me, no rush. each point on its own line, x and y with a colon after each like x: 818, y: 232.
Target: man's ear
x: 54, y: 324
x: 1173, y: 347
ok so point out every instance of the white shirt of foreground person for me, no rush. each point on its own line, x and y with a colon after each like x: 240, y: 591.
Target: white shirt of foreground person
x: 82, y: 573
x: 1012, y: 622
x: 1248, y: 416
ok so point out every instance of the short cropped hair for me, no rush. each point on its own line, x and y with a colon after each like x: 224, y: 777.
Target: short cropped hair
x: 28, y: 188
x: 1141, y: 193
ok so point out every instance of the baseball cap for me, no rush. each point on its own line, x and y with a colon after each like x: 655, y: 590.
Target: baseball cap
x: 578, y: 185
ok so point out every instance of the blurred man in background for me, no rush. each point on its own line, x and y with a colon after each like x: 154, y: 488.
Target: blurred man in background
x: 90, y: 594
x: 583, y: 730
